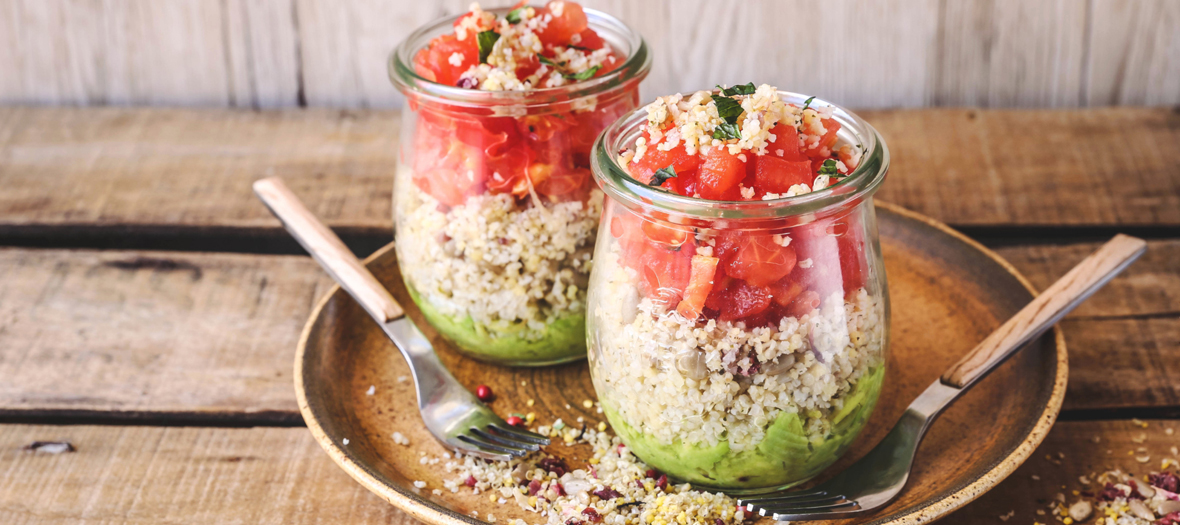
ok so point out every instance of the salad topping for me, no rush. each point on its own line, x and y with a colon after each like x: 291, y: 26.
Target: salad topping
x: 529, y: 48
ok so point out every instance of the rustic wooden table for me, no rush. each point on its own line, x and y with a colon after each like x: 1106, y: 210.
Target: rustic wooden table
x: 149, y: 305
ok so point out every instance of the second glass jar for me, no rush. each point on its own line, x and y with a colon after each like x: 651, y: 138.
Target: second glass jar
x: 495, y: 211
x: 770, y: 382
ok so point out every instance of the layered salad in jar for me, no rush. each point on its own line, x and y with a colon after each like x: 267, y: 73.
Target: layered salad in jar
x: 494, y: 207
x: 738, y: 316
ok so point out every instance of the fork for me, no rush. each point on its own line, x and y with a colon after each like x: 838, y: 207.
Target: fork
x: 452, y: 414
x: 878, y: 477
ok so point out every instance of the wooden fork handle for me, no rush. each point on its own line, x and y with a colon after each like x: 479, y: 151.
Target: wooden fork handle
x: 1046, y: 309
x: 328, y: 250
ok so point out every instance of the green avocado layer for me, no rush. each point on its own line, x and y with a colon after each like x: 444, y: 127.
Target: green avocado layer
x: 786, y: 456
x: 564, y: 339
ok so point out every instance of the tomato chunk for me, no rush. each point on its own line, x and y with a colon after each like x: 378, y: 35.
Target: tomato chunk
x: 433, y: 62
x: 759, y: 261
x: 588, y: 39
x: 568, y: 20
x: 719, y: 174
x: 744, y: 300
x: 665, y: 234
x: 655, y: 159
x: 775, y: 175
x: 700, y: 283
x: 786, y: 143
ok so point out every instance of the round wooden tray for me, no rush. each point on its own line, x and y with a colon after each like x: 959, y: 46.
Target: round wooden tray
x: 947, y: 291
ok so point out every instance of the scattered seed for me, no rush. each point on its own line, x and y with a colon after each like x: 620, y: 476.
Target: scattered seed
x: 514, y: 421
x: 484, y: 393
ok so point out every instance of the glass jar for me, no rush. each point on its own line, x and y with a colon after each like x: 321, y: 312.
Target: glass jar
x: 775, y: 377
x: 494, y: 209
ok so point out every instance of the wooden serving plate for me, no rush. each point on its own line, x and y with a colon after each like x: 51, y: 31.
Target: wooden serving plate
x: 948, y: 292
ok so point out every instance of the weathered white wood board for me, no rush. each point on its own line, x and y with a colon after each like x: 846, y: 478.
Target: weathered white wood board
x: 860, y: 53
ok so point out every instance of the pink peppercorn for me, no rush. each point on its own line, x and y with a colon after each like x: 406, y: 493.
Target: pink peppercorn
x: 470, y: 481
x: 514, y: 421
x: 662, y: 483
x: 484, y: 393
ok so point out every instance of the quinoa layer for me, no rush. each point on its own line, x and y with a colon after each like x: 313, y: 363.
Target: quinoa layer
x: 508, y: 270
x: 677, y: 381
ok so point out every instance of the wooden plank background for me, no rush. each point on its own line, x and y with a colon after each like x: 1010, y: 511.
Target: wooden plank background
x: 859, y: 53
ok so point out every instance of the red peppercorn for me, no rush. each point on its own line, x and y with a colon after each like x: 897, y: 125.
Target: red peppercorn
x: 592, y: 515
x: 484, y: 393
x: 470, y: 481
x: 515, y: 421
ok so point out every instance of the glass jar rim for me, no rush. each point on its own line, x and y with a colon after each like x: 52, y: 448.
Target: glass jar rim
x: 634, y: 68
x: 859, y: 185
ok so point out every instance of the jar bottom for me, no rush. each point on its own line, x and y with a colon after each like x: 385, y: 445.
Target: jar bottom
x: 564, y: 340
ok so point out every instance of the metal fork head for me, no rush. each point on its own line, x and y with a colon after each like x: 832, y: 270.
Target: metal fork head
x: 869, y: 483
x: 452, y: 413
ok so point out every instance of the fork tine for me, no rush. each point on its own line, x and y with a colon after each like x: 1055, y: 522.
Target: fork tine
x: 494, y: 447
x: 821, y: 503
x: 505, y: 440
x: 817, y: 513
x: 749, y: 502
x: 522, y: 435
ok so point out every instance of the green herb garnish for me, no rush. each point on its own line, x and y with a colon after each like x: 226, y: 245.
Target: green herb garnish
x: 549, y: 62
x: 744, y: 89
x: 829, y: 168
x: 806, y: 104
x: 583, y: 75
x: 486, y: 40
x: 661, y: 176
x: 726, y: 131
x: 513, y: 16
x: 728, y: 109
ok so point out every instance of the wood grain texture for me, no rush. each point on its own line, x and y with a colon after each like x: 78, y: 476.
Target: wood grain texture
x: 328, y: 250
x: 141, y: 475
x: 1134, y: 53
x: 1053, y: 303
x: 977, y: 168
x: 139, y: 332
x: 1011, y: 53
x: 191, y: 169
x: 996, y: 53
x: 136, y: 332
x: 1124, y: 343
x: 114, y: 167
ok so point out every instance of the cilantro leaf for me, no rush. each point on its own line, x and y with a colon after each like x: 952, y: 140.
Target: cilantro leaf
x: 829, y: 168
x: 744, y: 89
x: 549, y: 62
x: 513, y: 16
x: 806, y: 104
x: 661, y: 176
x: 726, y: 131
x: 486, y: 40
x: 584, y: 75
x: 728, y: 109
